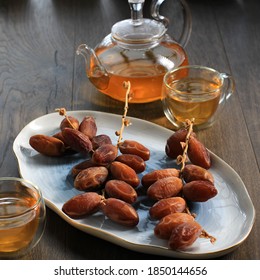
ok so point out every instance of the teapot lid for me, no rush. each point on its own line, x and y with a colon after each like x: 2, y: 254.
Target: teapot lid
x: 137, y: 30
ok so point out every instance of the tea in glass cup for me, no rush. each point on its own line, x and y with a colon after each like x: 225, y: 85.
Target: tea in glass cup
x: 195, y: 92
x: 22, y: 216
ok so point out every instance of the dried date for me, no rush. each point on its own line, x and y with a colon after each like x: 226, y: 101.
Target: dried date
x: 100, y: 140
x: 59, y: 136
x: 134, y: 161
x: 47, y: 145
x: 81, y: 166
x: 198, y: 154
x: 184, y: 235
x: 121, y: 171
x: 193, y: 172
x: 134, y: 148
x: 151, y: 177
x: 164, y: 188
x: 165, y: 226
x: 121, y: 190
x: 91, y: 178
x: 167, y: 206
x: 173, y: 146
x: 88, y: 127
x: 105, y: 154
x: 82, y: 205
x: 120, y: 212
x: 77, y: 141
x: 199, y: 191
x: 70, y: 122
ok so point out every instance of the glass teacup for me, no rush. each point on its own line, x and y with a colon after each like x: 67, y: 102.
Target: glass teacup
x: 195, y: 92
x: 22, y: 216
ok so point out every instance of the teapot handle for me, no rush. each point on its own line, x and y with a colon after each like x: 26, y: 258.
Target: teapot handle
x: 187, y: 23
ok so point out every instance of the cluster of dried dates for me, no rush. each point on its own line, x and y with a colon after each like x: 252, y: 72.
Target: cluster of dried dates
x: 109, y: 178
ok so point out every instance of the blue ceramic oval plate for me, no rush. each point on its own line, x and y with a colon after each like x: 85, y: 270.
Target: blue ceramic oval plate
x: 229, y: 216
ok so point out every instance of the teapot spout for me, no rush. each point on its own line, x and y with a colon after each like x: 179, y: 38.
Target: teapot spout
x: 95, y: 71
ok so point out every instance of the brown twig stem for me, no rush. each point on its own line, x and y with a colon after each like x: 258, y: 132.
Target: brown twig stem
x: 125, y: 121
x: 204, y: 234
x: 63, y: 112
x: 182, y: 159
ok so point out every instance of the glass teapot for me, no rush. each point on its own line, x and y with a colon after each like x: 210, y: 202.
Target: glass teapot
x: 137, y: 50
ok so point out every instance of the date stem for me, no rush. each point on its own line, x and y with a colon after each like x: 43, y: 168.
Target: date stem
x: 204, y: 234
x: 182, y: 159
x: 63, y: 112
x: 125, y: 121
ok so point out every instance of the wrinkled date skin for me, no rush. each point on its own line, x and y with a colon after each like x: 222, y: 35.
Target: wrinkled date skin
x: 134, y: 148
x: 151, y: 177
x: 167, y: 206
x: 164, y: 188
x: 82, y: 205
x: 88, y: 127
x: 134, y: 161
x: 81, y: 166
x: 193, y: 172
x: 69, y: 122
x: 47, y: 145
x: 105, y: 154
x: 198, y: 154
x: 121, y: 190
x: 120, y: 212
x: 59, y: 136
x: 121, y: 171
x: 100, y: 140
x: 184, y: 235
x: 91, y: 178
x: 78, y: 141
x: 199, y: 191
x: 173, y: 146
x: 165, y: 226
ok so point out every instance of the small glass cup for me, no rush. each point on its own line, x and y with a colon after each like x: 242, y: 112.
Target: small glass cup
x: 195, y: 92
x: 22, y: 216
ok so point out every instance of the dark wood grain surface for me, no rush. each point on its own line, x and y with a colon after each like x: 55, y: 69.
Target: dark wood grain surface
x: 40, y: 71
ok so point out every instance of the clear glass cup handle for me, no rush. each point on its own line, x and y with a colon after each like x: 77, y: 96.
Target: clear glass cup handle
x: 187, y: 21
x: 230, y: 87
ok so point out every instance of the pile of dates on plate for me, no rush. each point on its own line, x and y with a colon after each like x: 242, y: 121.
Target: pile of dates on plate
x: 110, y: 175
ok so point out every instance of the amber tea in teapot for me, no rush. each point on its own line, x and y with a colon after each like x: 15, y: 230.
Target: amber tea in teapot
x: 138, y: 50
x: 144, y: 75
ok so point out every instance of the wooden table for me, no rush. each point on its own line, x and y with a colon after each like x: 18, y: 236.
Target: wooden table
x: 39, y: 72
